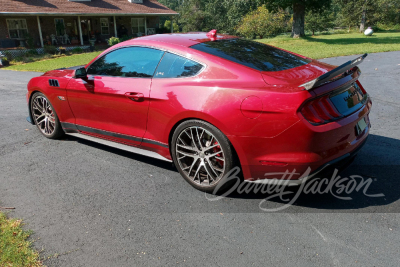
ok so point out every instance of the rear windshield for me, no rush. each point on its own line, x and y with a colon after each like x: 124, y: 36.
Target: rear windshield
x: 252, y: 54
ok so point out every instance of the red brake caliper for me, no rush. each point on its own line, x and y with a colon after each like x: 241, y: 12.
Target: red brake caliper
x: 216, y: 149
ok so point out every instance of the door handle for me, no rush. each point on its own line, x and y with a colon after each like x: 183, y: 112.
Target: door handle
x: 138, y: 97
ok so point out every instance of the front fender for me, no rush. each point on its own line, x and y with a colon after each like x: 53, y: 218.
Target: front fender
x: 56, y: 95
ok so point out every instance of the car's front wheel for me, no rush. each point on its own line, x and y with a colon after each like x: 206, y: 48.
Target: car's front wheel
x: 203, y: 155
x: 45, y: 117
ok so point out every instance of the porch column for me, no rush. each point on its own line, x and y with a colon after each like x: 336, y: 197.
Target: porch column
x: 172, y: 25
x: 80, y: 29
x: 115, y: 27
x: 40, y: 31
x: 145, y: 25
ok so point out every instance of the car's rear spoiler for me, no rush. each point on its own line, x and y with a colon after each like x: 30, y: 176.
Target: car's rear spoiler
x: 333, y: 73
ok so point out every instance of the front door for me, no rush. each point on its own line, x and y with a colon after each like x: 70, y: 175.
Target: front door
x: 113, y: 102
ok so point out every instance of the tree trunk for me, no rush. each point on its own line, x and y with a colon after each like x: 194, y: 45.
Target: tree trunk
x: 363, y: 17
x: 299, y: 11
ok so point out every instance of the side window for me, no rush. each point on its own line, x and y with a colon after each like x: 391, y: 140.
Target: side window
x: 173, y: 66
x: 127, y: 62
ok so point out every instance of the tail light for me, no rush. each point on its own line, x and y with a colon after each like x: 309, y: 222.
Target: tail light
x: 320, y: 110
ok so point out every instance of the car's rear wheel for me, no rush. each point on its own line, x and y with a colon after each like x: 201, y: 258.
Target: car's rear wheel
x: 203, y: 155
x: 45, y: 117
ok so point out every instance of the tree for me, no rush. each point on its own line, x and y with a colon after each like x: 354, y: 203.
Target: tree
x: 172, y: 4
x: 167, y: 26
x: 262, y: 23
x: 300, y: 7
x: 387, y: 12
x: 191, y: 15
x: 319, y: 21
x: 348, y: 14
x: 205, y: 15
x: 363, y: 16
x: 225, y: 15
x: 362, y: 12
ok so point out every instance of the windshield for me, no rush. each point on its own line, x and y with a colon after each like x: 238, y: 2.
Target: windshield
x: 252, y: 54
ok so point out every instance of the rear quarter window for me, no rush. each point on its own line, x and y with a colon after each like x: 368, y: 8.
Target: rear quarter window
x: 252, y: 54
x: 173, y: 66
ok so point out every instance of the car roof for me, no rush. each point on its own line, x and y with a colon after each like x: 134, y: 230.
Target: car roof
x: 182, y: 39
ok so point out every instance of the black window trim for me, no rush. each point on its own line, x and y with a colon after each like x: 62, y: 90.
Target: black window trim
x: 151, y: 47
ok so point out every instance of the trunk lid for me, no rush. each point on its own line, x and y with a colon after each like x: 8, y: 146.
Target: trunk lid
x: 293, y: 78
x: 312, y: 75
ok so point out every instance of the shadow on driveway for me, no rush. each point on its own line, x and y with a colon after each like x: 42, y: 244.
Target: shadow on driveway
x: 378, y: 160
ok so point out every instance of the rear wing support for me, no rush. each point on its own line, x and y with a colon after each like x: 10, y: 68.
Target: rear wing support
x: 333, y: 73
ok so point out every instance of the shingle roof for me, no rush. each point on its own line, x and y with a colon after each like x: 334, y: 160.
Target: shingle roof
x: 83, y: 7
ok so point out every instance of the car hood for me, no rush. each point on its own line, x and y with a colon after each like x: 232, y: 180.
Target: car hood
x: 293, y: 78
x: 63, y: 72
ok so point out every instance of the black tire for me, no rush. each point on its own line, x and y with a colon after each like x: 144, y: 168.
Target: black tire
x: 53, y: 132
x: 221, y: 183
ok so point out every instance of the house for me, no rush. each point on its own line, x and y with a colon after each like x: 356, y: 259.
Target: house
x: 76, y: 22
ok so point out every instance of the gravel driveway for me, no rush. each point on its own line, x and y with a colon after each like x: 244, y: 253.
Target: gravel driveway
x: 97, y: 206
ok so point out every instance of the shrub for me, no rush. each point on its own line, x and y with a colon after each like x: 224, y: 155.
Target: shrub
x: 46, y: 56
x: 386, y: 27
x: 113, y: 41
x: 30, y: 41
x: 19, y: 59
x: 167, y: 26
x: 32, y: 52
x: 263, y: 23
x: 27, y: 59
x: 77, y: 50
x: 8, y: 55
x: 49, y: 49
x: 62, y: 50
x: 124, y: 38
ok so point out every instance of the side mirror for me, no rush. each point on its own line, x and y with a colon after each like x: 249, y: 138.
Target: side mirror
x: 80, y: 73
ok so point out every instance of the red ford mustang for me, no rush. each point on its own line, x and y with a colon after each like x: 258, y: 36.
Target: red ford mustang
x: 209, y: 102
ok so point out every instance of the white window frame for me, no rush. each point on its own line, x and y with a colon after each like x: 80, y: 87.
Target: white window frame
x: 101, y: 26
x: 8, y: 28
x: 144, y: 25
x: 55, y: 25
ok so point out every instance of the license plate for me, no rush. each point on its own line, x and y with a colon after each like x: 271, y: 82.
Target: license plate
x: 348, y: 101
x: 360, y: 127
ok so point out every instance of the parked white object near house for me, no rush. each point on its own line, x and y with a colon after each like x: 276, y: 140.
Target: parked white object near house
x: 369, y: 31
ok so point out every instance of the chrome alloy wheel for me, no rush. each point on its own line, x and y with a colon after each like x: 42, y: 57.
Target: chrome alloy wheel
x: 200, y: 156
x: 43, y: 115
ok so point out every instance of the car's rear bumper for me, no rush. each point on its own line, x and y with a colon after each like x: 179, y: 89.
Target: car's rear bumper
x: 340, y: 164
x: 303, y: 150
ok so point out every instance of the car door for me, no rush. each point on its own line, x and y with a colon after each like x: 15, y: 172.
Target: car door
x: 113, y: 101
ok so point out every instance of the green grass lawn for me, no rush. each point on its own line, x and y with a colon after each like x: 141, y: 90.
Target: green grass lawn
x: 15, y: 250
x: 60, y: 62
x: 323, y: 46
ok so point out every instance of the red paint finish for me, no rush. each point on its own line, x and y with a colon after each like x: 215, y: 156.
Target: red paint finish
x: 252, y: 107
x: 107, y: 103
x: 259, y: 112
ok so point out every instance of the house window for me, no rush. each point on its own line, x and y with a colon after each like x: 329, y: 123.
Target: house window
x: 138, y: 26
x: 17, y: 28
x: 105, y: 29
x: 60, y: 26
